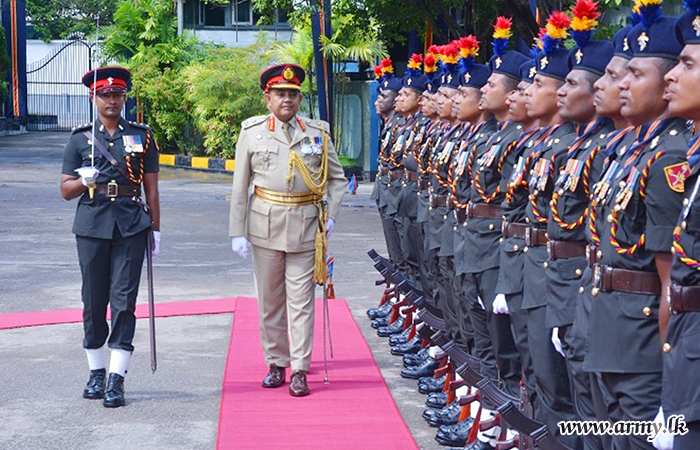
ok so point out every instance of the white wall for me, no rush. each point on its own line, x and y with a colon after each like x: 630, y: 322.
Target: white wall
x: 242, y: 38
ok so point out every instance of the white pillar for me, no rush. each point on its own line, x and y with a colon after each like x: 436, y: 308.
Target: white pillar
x: 180, y: 17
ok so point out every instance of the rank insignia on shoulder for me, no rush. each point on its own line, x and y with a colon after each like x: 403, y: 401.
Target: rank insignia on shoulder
x: 676, y: 175
x: 133, y: 144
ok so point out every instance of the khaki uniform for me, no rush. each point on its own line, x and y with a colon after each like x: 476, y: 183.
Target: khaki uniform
x: 282, y: 236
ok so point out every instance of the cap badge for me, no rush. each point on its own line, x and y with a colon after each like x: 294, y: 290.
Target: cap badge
x: 643, y: 40
x: 533, y: 72
x: 288, y: 74
x: 110, y: 80
x: 579, y: 56
x: 625, y: 45
x: 449, y: 78
x: 409, y: 81
x: 499, y: 61
x: 467, y: 77
x: 430, y: 86
x: 386, y: 83
x: 696, y: 25
x: 543, y: 63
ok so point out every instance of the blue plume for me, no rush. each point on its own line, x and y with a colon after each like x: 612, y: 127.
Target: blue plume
x: 550, y: 44
x: 499, y: 46
x: 581, y: 37
x: 465, y: 65
x: 650, y: 14
x: 692, y: 6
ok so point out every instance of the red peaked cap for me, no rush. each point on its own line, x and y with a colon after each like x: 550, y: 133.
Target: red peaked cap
x: 109, y: 79
x: 283, y: 76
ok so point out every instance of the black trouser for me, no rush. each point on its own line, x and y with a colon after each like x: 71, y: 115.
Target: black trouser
x: 111, y: 270
x: 637, y: 397
x: 393, y: 242
x: 690, y: 440
x: 518, y: 323
x: 447, y: 300
x: 498, y: 331
x: 551, y: 377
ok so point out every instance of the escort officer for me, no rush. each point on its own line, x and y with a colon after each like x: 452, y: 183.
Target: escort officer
x: 292, y: 167
x: 551, y: 380
x: 111, y: 225
x: 681, y: 392
x: 641, y: 203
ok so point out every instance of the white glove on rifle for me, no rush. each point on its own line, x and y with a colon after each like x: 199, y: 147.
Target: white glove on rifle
x: 156, y: 243
x: 662, y: 441
x: 557, y: 342
x: 240, y: 245
x: 330, y: 226
x: 500, y: 306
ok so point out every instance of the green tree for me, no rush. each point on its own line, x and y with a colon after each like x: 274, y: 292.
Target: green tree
x: 59, y: 19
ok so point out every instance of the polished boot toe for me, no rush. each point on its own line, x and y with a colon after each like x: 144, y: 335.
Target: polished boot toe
x: 297, y: 384
x: 436, y: 400
x: 412, y: 346
x: 432, y: 385
x: 417, y: 358
x: 479, y: 445
x: 400, y: 338
x: 274, y: 378
x: 114, y: 393
x: 449, y: 415
x: 95, y: 388
x: 381, y: 321
x: 396, y: 327
x: 455, y: 435
x: 426, y: 368
x: 379, y: 311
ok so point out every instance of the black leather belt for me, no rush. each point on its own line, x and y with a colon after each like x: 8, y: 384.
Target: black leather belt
x: 684, y: 298
x: 438, y: 201
x: 516, y: 230
x: 113, y: 190
x: 396, y: 174
x: 565, y: 249
x: 484, y: 210
x: 461, y: 215
x: 609, y: 279
x: 423, y: 184
x: 411, y: 176
x: 535, y: 237
x: 592, y: 255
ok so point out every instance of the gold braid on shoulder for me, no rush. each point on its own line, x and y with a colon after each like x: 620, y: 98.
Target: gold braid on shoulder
x: 316, y: 182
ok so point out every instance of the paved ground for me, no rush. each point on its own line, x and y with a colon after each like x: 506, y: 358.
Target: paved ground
x: 43, y: 368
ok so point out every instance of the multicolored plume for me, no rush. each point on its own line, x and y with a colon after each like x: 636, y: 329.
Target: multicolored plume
x: 502, y: 32
x: 414, y: 64
x: 557, y: 31
x: 386, y: 66
x: 538, y: 43
x: 468, y: 51
x: 650, y: 11
x: 450, y: 53
x: 377, y: 72
x: 585, y: 14
x: 692, y: 6
x: 430, y: 63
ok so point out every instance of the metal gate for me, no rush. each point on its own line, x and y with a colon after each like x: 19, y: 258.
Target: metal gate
x: 56, y: 98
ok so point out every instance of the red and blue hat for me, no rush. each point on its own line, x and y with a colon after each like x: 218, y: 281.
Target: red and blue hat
x: 687, y: 26
x: 504, y: 61
x: 108, y: 79
x: 414, y: 78
x: 588, y: 55
x: 552, y: 60
x: 654, y: 36
x: 282, y: 76
x: 471, y: 74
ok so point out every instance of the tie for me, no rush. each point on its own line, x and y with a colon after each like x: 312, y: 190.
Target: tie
x: 285, y: 128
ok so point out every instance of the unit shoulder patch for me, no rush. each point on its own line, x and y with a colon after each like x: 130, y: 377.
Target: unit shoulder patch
x: 676, y: 175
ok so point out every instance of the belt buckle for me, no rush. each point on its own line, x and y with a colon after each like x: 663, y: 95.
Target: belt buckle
x: 528, y: 236
x: 597, y: 277
x: 549, y: 250
x: 504, y: 227
x: 112, y: 189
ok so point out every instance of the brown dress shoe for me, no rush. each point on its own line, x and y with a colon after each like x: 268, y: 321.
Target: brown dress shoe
x: 297, y: 384
x: 274, y: 378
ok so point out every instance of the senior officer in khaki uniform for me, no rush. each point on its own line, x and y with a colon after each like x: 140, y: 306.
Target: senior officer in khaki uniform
x: 297, y: 186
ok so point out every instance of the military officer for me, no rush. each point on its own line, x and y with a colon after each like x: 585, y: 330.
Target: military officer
x: 640, y: 200
x: 292, y: 167
x: 111, y: 225
x: 680, y: 391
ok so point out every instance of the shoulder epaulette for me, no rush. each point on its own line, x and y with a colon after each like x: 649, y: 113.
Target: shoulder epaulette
x: 252, y: 121
x: 81, y: 128
x: 141, y: 125
x: 319, y: 124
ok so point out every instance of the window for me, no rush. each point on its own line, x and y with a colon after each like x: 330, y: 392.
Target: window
x: 214, y: 16
x: 242, y: 12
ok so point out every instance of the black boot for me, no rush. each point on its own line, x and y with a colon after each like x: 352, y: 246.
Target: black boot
x: 114, y: 395
x: 381, y: 321
x: 416, y: 359
x: 412, y: 346
x: 436, y: 400
x: 379, y: 311
x: 432, y: 385
x: 426, y: 368
x: 449, y: 415
x: 396, y: 327
x: 95, y: 388
x: 455, y: 435
x: 399, y: 338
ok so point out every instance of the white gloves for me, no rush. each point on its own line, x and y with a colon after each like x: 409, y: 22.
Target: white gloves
x: 556, y: 342
x: 480, y: 303
x: 662, y: 441
x: 156, y: 243
x: 500, y: 306
x: 88, y: 175
x: 330, y: 226
x: 240, y: 245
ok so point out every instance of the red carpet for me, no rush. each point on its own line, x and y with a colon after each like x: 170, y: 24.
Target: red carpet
x: 189, y: 308
x: 355, y: 411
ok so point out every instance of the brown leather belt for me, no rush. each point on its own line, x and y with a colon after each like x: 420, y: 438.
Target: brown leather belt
x: 383, y: 170
x: 609, y: 279
x: 484, y: 210
x: 396, y: 174
x: 438, y: 201
x: 684, y: 298
x: 423, y: 184
x: 516, y: 230
x: 461, y: 215
x: 592, y: 255
x: 565, y: 249
x: 535, y: 237
x: 113, y: 190
x: 411, y: 176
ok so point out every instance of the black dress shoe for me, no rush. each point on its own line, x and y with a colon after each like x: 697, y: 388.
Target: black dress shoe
x: 297, y: 384
x: 449, y: 415
x: 400, y: 338
x: 429, y: 413
x: 274, y: 378
x: 436, y: 400
x: 412, y: 346
x: 381, y: 322
x: 396, y: 327
x: 379, y: 311
x: 426, y: 368
x: 432, y: 385
x: 114, y: 394
x: 414, y: 360
x: 455, y: 435
x: 95, y: 388
x: 478, y: 445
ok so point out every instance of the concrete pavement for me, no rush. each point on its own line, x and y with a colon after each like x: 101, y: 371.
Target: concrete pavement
x: 44, y: 369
